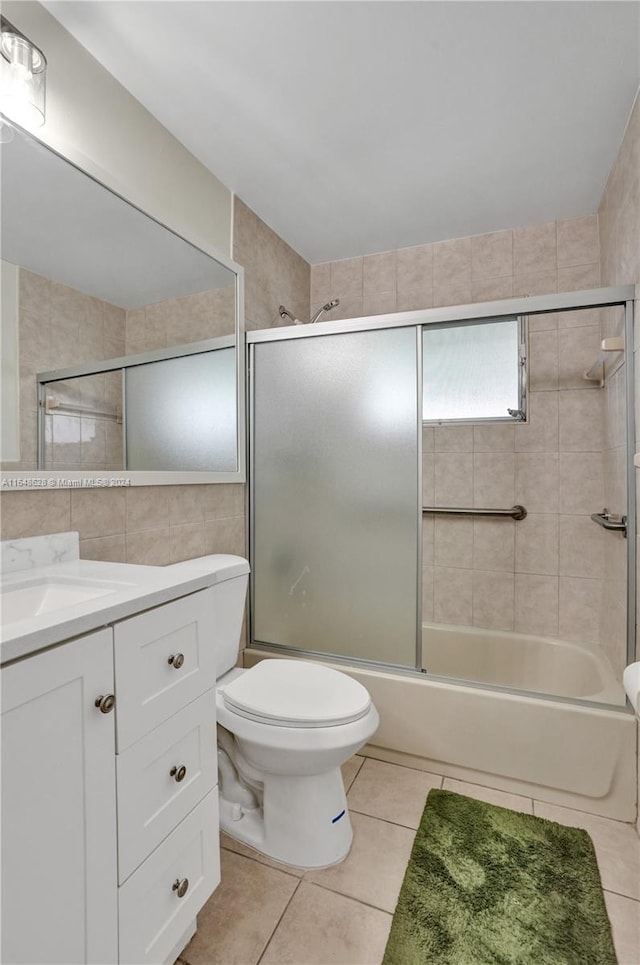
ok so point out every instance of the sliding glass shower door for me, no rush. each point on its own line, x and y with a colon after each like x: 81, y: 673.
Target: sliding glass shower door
x: 335, y: 483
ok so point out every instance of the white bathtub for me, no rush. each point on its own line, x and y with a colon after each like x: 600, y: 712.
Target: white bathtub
x: 558, y: 751
x: 519, y: 662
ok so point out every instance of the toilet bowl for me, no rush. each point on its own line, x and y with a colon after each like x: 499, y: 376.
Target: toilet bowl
x: 284, y: 729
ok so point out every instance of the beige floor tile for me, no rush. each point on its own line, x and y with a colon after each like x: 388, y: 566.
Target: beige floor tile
x: 516, y: 802
x: 374, y: 868
x: 238, y: 848
x: 624, y: 915
x: 390, y: 792
x: 617, y: 846
x: 350, y: 770
x: 238, y: 920
x: 321, y: 927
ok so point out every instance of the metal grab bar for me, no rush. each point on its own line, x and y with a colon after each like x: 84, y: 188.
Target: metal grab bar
x: 611, y: 521
x: 516, y: 512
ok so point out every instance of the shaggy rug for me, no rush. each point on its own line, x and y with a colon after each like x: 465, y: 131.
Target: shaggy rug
x: 490, y: 886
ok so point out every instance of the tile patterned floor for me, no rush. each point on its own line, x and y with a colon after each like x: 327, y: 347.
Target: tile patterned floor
x: 265, y: 913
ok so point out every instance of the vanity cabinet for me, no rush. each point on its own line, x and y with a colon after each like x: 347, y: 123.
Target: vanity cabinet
x: 110, y: 812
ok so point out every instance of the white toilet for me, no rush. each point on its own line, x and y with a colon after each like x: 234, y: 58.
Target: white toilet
x: 284, y: 729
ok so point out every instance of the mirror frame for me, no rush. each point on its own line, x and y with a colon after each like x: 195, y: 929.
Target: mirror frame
x: 40, y: 480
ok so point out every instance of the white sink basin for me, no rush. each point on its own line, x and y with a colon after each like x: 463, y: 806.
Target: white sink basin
x: 33, y: 597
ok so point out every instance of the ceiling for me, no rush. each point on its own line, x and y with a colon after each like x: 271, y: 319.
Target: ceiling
x: 355, y: 127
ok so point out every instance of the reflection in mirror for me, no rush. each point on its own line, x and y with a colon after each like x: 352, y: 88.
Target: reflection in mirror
x: 171, y: 410
x: 97, y: 279
x: 181, y: 414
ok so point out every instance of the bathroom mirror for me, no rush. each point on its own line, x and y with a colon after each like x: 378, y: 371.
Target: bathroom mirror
x: 93, y: 289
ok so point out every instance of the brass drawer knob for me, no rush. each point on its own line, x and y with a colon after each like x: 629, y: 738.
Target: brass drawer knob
x: 105, y: 704
x: 176, y: 660
x: 179, y: 773
x: 180, y: 887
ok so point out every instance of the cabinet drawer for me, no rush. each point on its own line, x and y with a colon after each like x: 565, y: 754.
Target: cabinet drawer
x: 151, y: 802
x: 152, y: 918
x: 150, y: 688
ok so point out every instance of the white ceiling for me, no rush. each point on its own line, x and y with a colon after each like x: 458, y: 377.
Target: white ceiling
x: 355, y: 127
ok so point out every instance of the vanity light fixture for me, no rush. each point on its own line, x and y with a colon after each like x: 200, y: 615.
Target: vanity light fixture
x: 22, y: 80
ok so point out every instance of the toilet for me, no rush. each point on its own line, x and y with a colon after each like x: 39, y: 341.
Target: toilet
x: 284, y: 729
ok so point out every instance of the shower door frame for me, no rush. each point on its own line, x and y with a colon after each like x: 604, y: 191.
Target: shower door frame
x: 621, y: 296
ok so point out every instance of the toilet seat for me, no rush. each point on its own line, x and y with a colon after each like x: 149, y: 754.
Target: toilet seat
x: 296, y: 693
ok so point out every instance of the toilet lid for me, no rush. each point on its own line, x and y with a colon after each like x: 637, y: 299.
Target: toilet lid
x: 296, y: 693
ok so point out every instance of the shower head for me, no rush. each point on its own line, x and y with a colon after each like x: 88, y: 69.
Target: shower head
x: 285, y: 313
x: 325, y: 308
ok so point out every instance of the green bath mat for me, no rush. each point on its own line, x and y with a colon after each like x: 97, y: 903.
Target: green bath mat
x: 489, y: 886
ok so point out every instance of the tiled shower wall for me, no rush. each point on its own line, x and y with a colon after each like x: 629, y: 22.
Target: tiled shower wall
x: 542, y: 575
x: 619, y: 223
x: 275, y: 274
x: 536, y: 260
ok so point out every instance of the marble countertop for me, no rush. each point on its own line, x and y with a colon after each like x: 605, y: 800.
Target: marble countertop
x: 126, y: 589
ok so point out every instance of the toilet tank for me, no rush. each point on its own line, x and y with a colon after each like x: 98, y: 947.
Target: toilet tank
x: 228, y: 595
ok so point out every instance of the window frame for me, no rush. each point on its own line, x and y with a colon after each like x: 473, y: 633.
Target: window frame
x: 523, y: 372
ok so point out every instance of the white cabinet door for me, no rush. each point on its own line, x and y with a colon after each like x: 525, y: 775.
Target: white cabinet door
x: 59, y: 875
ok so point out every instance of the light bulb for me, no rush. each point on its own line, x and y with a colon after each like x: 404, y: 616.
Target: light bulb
x: 22, y: 90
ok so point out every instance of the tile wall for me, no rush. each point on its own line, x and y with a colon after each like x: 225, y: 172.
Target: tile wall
x: 619, y: 223
x: 275, y: 274
x: 558, y: 256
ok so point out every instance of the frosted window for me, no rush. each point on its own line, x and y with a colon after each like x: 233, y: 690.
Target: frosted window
x: 336, y: 501
x: 470, y: 372
x: 181, y: 413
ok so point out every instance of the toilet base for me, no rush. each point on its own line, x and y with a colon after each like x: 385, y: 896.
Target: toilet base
x: 304, y: 820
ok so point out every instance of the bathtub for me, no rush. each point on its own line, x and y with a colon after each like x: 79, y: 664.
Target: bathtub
x: 519, y: 662
x: 555, y: 750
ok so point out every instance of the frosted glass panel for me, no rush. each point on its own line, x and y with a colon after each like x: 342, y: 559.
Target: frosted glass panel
x: 470, y: 371
x: 335, y: 476
x: 181, y: 413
